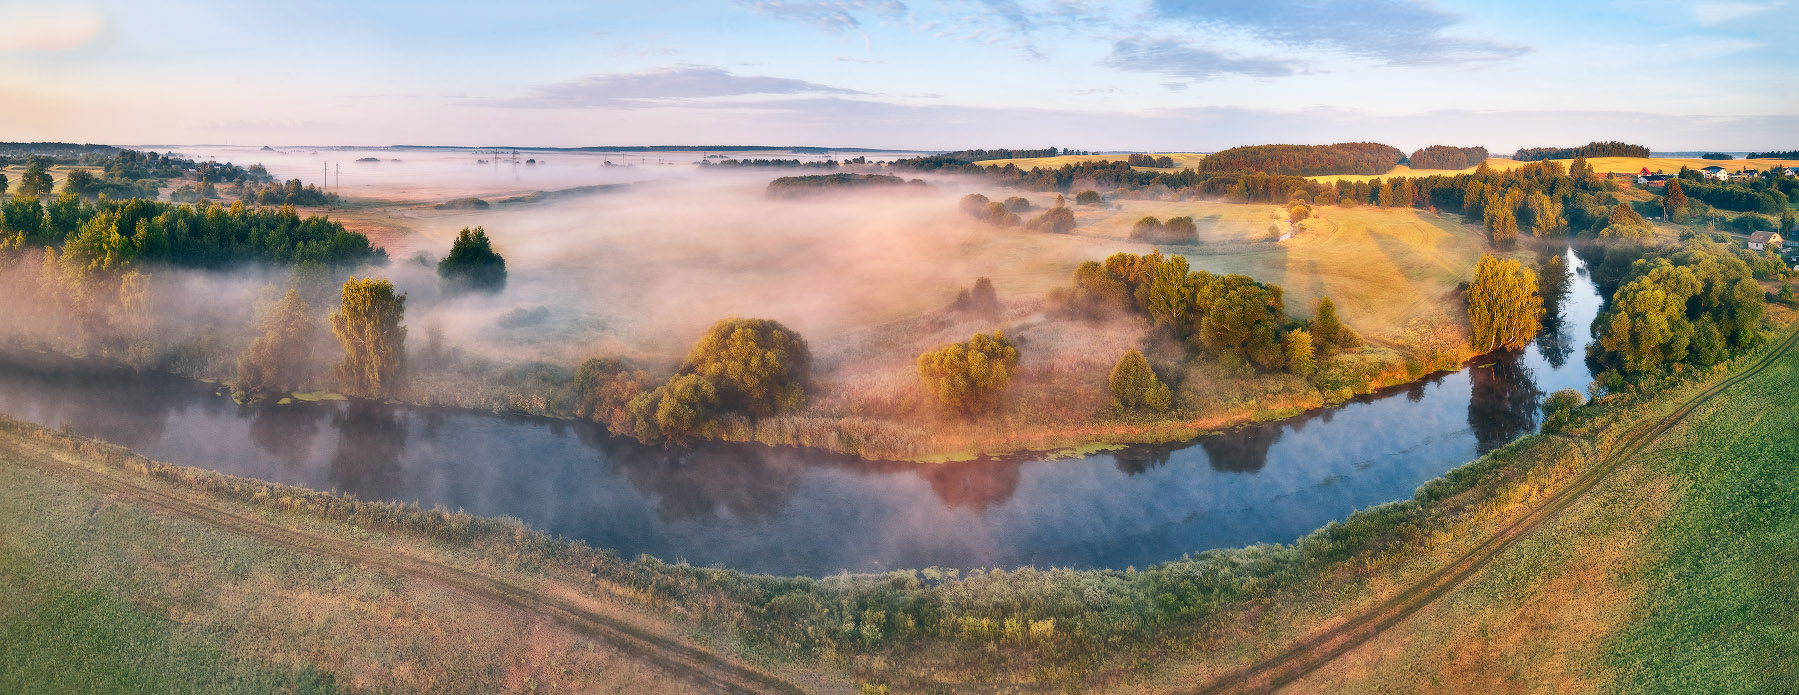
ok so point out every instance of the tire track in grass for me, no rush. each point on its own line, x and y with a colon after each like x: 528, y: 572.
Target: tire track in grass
x: 698, y: 666
x: 1312, y: 653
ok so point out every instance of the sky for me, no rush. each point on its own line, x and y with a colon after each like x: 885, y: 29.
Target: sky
x: 1145, y: 75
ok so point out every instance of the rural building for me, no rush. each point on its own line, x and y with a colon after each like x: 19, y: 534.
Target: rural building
x: 1653, y: 180
x: 1762, y: 240
x: 1715, y: 172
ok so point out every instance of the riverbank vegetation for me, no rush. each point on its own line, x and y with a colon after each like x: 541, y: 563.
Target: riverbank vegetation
x: 1184, y: 621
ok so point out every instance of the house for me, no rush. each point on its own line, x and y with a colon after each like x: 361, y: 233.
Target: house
x: 1762, y: 240
x: 1715, y: 172
x: 1653, y: 180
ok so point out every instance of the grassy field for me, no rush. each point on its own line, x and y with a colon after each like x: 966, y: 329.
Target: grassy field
x: 1603, y: 165
x: 1182, y: 160
x: 112, y: 583
x: 1672, y: 576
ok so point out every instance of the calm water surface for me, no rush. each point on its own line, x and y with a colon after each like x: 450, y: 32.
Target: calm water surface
x: 787, y: 511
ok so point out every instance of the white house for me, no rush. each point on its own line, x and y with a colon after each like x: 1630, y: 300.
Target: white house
x: 1715, y: 172
x: 1762, y: 240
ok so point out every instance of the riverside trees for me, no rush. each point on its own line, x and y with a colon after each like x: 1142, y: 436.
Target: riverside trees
x: 368, y: 326
x: 1504, y: 307
x: 472, y: 264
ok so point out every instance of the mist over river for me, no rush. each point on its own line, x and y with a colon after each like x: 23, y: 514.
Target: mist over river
x: 790, y: 511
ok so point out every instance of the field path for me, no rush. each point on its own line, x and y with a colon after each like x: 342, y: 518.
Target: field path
x: 1279, y: 670
x: 708, y: 672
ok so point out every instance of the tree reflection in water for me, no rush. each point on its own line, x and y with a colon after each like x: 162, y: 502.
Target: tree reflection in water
x: 699, y: 482
x: 1242, y: 450
x: 974, y: 485
x: 1504, y: 400
x: 285, y: 432
x: 371, y: 439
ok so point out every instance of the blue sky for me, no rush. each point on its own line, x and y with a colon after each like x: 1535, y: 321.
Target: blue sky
x: 1143, y: 75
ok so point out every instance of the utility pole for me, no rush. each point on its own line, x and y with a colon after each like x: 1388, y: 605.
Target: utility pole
x: 326, y: 184
x: 340, y: 175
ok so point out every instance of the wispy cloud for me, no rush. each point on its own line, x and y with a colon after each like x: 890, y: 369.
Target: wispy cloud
x: 1715, y: 13
x: 1177, y: 58
x: 660, y: 86
x: 829, y: 15
x: 1394, y: 31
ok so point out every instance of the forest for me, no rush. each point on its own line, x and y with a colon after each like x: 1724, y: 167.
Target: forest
x: 1610, y: 148
x: 802, y: 186
x: 122, y: 234
x: 1447, y: 157
x: 1306, y: 160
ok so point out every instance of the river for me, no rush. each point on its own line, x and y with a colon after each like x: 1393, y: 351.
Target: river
x: 789, y: 511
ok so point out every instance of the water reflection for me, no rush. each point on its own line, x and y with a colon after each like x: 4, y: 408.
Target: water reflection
x: 371, y: 440
x: 788, y: 511
x: 285, y: 432
x: 1504, y: 401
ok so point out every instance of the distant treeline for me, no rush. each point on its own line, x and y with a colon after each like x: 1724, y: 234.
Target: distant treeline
x: 1447, y: 157
x: 1144, y: 160
x: 799, y: 186
x: 792, y: 163
x: 54, y: 152
x: 1783, y: 154
x: 117, y: 235
x: 1306, y: 160
x: 1609, y: 148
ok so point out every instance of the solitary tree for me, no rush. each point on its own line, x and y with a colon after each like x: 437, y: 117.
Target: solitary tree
x: 35, y: 182
x: 374, y: 342
x: 1674, y: 201
x: 968, y: 377
x: 758, y: 366
x: 472, y: 264
x: 1504, y: 307
x: 1087, y: 198
x: 1136, y: 388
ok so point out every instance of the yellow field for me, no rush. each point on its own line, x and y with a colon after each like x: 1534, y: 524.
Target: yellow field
x: 1603, y: 165
x: 1182, y: 160
x: 1382, y: 267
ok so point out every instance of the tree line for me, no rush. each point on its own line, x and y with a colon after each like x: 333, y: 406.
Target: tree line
x: 802, y: 186
x: 125, y: 233
x: 1447, y: 157
x: 1778, y: 154
x: 1609, y: 148
x: 1306, y: 160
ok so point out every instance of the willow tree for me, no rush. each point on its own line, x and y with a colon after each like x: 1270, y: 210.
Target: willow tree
x: 367, y: 324
x: 1504, y: 306
x: 281, y: 357
x: 758, y: 366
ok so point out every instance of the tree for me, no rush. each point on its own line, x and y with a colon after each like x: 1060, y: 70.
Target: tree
x: 81, y: 182
x: 1328, y: 332
x: 604, y: 389
x: 999, y: 216
x: 1300, y: 357
x: 3, y: 183
x: 1244, y: 321
x: 686, y: 405
x: 35, y: 182
x: 1298, y: 213
x: 1017, y: 204
x: 1502, y: 223
x: 1503, y: 305
x: 758, y: 366
x: 1088, y: 197
x: 280, y: 358
x: 1056, y: 220
x: 974, y: 205
x: 368, y: 327
x: 1545, y: 214
x: 1674, y: 201
x: 1146, y: 229
x: 982, y: 300
x: 968, y: 377
x: 472, y: 265
x: 1135, y: 386
x: 1558, y: 410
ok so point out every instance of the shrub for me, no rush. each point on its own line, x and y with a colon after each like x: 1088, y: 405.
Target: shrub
x: 1088, y: 197
x: 1558, y: 410
x: 1056, y: 220
x: 1298, y: 348
x: 1017, y: 204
